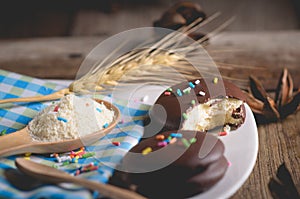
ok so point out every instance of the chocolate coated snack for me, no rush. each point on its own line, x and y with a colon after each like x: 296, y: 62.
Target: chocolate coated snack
x: 189, y: 164
x: 199, y: 104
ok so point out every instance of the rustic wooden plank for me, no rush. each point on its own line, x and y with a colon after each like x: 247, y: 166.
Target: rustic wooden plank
x: 57, y: 58
x: 278, y: 143
x: 268, y: 51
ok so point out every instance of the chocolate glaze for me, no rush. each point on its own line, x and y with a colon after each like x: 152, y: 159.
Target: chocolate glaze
x: 186, y: 175
x: 170, y: 116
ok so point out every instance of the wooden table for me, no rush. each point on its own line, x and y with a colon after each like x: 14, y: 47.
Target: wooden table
x: 270, y: 51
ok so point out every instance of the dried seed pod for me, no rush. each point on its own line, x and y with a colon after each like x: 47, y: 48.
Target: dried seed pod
x: 190, y: 11
x: 181, y: 14
x: 270, y: 110
x: 171, y: 20
x: 285, y: 103
x: 257, y: 89
x: 284, y: 90
x: 255, y: 104
x: 291, y: 106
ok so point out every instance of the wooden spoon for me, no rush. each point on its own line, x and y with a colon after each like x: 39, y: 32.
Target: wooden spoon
x: 53, y: 96
x: 21, y: 142
x: 49, y: 174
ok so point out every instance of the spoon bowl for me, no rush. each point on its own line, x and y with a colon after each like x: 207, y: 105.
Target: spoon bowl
x: 21, y: 142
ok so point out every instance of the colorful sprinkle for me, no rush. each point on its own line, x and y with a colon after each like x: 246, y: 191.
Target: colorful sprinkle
x: 53, y: 155
x: 56, y: 108
x: 167, y: 93
x: 78, y: 153
x: 179, y: 93
x: 77, y: 172
x: 66, y: 163
x: 162, y: 144
x: 222, y: 133
x: 187, y: 90
x: 184, y: 115
x: 193, y: 102
x: 62, y: 119
x: 71, y: 157
x: 27, y: 156
x: 193, y: 140
x: 202, y: 93
x: 191, y: 85
x: 229, y: 163
x: 99, y: 110
x: 173, y: 140
x: 160, y: 137
x: 147, y: 150
x: 166, y: 140
x: 3, y: 132
x: 105, y: 125
x: 215, y: 81
x: 62, y: 158
x: 176, y: 135
x: 185, y: 142
x: 75, y: 160
x: 87, y: 155
x: 170, y: 89
x: 197, y: 81
x: 116, y: 143
x: 87, y: 168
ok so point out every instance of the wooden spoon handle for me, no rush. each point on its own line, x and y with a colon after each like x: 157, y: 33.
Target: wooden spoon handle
x: 108, y: 190
x: 53, y: 96
x: 15, y: 143
x: 49, y: 174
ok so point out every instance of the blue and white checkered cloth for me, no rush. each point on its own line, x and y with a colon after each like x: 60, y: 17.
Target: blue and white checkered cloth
x: 15, y: 116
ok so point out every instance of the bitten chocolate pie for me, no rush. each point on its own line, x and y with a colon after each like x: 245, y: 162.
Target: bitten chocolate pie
x: 199, y: 104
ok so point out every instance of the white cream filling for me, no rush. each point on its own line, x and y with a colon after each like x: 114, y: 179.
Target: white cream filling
x: 214, y: 113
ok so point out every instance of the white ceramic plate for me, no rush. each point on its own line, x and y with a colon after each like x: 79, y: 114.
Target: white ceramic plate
x: 241, y: 146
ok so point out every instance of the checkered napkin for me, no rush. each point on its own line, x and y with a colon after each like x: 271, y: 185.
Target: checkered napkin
x: 15, y: 116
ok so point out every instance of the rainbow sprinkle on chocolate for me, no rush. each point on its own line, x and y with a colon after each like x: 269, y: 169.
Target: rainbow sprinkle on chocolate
x: 179, y: 93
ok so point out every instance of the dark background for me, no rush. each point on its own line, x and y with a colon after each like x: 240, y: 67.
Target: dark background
x: 36, y: 18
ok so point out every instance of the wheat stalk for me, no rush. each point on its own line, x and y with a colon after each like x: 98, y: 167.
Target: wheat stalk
x: 146, y: 64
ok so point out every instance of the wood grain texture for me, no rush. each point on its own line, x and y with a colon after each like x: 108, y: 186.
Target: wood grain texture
x: 236, y: 53
x: 278, y: 143
x: 57, y: 58
x: 269, y: 52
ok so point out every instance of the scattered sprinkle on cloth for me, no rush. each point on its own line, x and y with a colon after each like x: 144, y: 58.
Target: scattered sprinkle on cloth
x: 106, y: 154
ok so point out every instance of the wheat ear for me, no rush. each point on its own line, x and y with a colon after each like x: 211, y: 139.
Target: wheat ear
x: 144, y: 65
